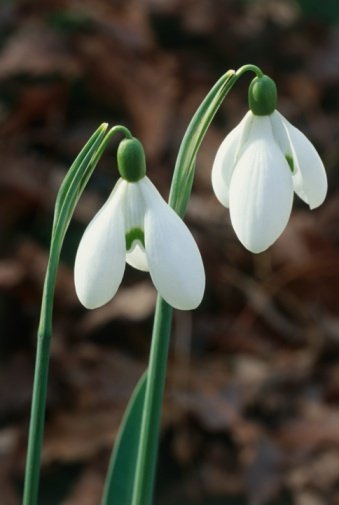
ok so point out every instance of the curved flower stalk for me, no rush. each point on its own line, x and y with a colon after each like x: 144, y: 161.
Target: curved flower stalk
x: 138, y: 227
x: 258, y: 167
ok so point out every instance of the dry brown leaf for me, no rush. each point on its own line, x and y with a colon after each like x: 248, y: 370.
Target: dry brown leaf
x: 87, y: 490
x: 134, y: 303
x: 37, y: 51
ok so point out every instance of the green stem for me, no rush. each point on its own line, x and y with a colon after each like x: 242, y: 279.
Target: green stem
x: 36, y: 429
x: 150, y: 426
x: 67, y: 198
x: 249, y: 68
x: 179, y: 194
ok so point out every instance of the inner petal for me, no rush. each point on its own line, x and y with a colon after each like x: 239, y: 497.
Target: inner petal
x: 281, y: 137
x: 136, y: 256
x: 134, y: 208
x: 134, y: 214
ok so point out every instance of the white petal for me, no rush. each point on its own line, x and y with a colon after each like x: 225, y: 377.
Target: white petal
x: 309, y: 178
x: 136, y: 257
x: 226, y: 158
x: 100, y: 259
x: 261, y: 194
x: 174, y: 259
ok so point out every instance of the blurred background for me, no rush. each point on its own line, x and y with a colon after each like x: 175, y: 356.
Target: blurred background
x: 251, y: 415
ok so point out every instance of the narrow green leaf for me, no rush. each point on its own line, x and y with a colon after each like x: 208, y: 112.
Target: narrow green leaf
x: 185, y: 164
x: 74, y: 182
x: 74, y: 168
x: 78, y: 176
x: 194, y: 135
x: 118, y: 488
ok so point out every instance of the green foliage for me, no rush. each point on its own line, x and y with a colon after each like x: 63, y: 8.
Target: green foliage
x: 121, y: 473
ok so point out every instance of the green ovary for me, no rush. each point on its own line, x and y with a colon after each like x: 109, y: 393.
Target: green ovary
x: 131, y: 160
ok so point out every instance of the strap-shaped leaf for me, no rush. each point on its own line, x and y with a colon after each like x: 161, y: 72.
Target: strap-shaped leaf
x: 119, y: 483
x: 185, y: 165
x: 75, y: 181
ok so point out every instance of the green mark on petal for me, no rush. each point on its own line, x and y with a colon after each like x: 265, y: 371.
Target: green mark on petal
x: 132, y: 235
x: 290, y: 162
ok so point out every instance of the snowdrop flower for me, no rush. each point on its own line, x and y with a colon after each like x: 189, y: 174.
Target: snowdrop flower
x: 137, y: 226
x: 259, y: 165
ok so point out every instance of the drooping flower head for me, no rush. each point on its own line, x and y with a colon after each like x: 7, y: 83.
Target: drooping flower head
x: 259, y: 165
x: 137, y: 226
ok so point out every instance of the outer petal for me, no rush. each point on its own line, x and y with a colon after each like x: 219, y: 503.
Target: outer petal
x: 309, y: 179
x: 100, y: 259
x: 226, y: 157
x: 280, y: 134
x: 174, y: 259
x: 261, y: 191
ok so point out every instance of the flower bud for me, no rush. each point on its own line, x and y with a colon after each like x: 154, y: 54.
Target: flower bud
x: 131, y: 160
x: 262, y: 96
